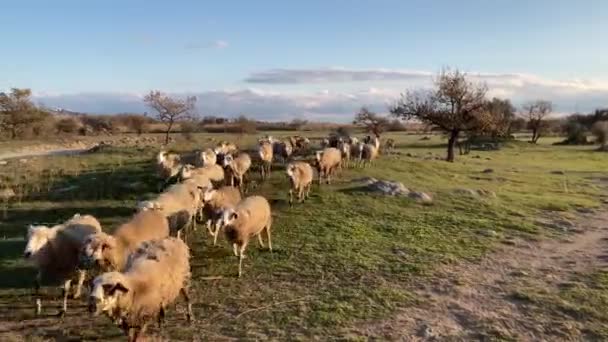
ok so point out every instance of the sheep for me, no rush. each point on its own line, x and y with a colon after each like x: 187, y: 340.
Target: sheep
x: 370, y: 150
x: 110, y: 252
x: 300, y: 176
x: 328, y: 160
x: 301, y: 143
x: 215, y: 202
x: 213, y: 172
x: 283, y: 149
x: 325, y: 143
x: 389, y: 145
x: 55, y: 253
x: 168, y: 166
x: 209, y: 157
x: 265, y: 151
x: 179, y: 204
x: 155, y: 275
x: 236, y: 168
x: 345, y: 149
x: 249, y: 218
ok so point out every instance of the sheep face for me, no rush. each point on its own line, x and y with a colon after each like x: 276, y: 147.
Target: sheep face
x: 228, y: 159
x: 107, y: 291
x: 229, y: 217
x: 208, y: 195
x: 96, y: 251
x: 37, y: 238
x: 291, y: 171
x: 186, y: 171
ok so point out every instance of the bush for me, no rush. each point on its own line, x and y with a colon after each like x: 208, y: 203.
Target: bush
x: 600, y: 131
x: 576, y: 134
x: 245, y: 126
x: 67, y: 125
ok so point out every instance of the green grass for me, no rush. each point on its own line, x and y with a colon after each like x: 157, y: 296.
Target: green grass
x: 344, y: 257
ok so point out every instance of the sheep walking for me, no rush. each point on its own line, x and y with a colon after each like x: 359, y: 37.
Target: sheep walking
x: 370, y: 150
x: 389, y: 146
x: 283, y: 149
x: 300, y: 177
x: 249, y: 218
x: 168, y: 166
x: 209, y: 157
x: 327, y: 162
x: 213, y: 172
x: 236, y: 168
x: 155, y: 275
x: 55, y: 253
x: 345, y: 150
x: 110, y: 252
x: 214, y: 204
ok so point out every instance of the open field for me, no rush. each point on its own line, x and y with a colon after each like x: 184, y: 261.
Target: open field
x: 342, y: 260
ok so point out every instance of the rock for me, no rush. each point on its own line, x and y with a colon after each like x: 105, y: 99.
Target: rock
x: 519, y: 273
x: 488, y: 158
x: 488, y: 233
x: 557, y: 172
x: 410, y: 155
x: 420, y: 197
x: 477, y: 156
x: 467, y: 192
x: 426, y: 332
x: 488, y: 171
x: 3, y: 162
x: 23, y: 161
x: 6, y: 194
x: 486, y: 193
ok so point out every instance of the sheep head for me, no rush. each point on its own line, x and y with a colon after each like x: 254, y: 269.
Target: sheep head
x: 148, y: 205
x: 208, y: 195
x: 108, y: 289
x: 186, y: 171
x: 228, y: 159
x: 98, y: 250
x: 291, y: 168
x: 37, y: 238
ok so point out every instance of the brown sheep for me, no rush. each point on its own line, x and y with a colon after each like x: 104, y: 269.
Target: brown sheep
x: 236, y: 168
x: 156, y: 274
x: 328, y: 161
x: 249, y: 218
x: 300, y: 176
x: 110, y: 252
x: 266, y: 153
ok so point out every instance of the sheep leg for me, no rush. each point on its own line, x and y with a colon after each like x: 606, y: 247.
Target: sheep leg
x: 208, y: 224
x: 234, y: 249
x: 217, y: 232
x: 260, y: 240
x: 307, y: 194
x: 161, y: 318
x: 37, y: 282
x: 290, y: 197
x: 189, y: 314
x: 241, y: 257
x: 81, y: 276
x: 268, y: 235
x: 301, y: 194
x: 66, y: 292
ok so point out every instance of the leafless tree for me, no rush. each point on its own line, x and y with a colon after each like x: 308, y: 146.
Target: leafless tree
x: 170, y: 110
x: 17, y: 112
x: 455, y: 105
x: 373, y: 122
x: 536, y: 112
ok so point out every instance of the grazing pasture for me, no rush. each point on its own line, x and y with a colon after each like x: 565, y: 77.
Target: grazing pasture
x: 344, y: 258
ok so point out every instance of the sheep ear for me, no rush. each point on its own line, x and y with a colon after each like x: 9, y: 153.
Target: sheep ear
x: 234, y: 216
x: 111, y: 289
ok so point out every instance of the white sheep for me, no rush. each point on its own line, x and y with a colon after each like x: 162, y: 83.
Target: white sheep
x: 327, y: 162
x: 370, y: 150
x: 214, y: 204
x: 55, y: 253
x: 156, y: 274
x: 249, y: 218
x: 300, y: 177
x: 168, y: 165
x: 110, y: 252
x: 213, y: 172
x: 283, y: 149
x: 209, y: 157
x: 345, y: 149
x: 236, y: 168
x: 266, y: 153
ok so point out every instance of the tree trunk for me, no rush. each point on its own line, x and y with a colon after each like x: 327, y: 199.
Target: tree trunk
x: 534, y: 135
x: 169, y: 125
x: 451, y: 144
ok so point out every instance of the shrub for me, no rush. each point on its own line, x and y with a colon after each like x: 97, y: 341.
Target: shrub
x: 67, y: 125
x: 600, y: 131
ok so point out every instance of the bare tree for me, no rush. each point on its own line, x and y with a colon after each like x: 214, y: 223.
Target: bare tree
x: 536, y: 112
x: 17, y: 112
x: 456, y: 105
x: 170, y: 110
x: 373, y: 122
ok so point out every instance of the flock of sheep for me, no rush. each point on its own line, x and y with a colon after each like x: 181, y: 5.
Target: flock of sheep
x: 143, y: 266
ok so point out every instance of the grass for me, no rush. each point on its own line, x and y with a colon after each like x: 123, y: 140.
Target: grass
x: 343, y: 258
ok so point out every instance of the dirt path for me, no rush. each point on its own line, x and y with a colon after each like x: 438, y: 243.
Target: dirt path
x: 29, y: 153
x: 470, y: 301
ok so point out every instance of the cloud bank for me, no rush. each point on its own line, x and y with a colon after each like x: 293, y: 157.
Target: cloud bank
x: 345, y: 91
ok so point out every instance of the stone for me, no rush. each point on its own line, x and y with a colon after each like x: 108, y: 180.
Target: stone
x: 488, y: 170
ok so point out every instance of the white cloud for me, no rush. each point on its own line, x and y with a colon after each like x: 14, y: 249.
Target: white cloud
x: 218, y: 45
x: 339, y: 102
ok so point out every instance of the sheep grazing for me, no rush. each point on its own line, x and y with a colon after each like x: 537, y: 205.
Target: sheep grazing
x: 110, y: 252
x: 55, y: 253
x: 249, y: 218
x: 327, y: 162
x: 168, y: 165
x: 213, y: 172
x: 265, y: 151
x: 300, y: 177
x: 214, y: 203
x: 179, y: 204
x: 300, y: 143
x: 236, y: 167
x: 155, y: 275
x: 324, y: 143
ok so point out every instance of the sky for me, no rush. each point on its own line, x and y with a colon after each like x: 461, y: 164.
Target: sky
x: 319, y: 60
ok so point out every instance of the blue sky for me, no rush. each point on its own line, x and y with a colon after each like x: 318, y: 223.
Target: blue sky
x: 282, y: 59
